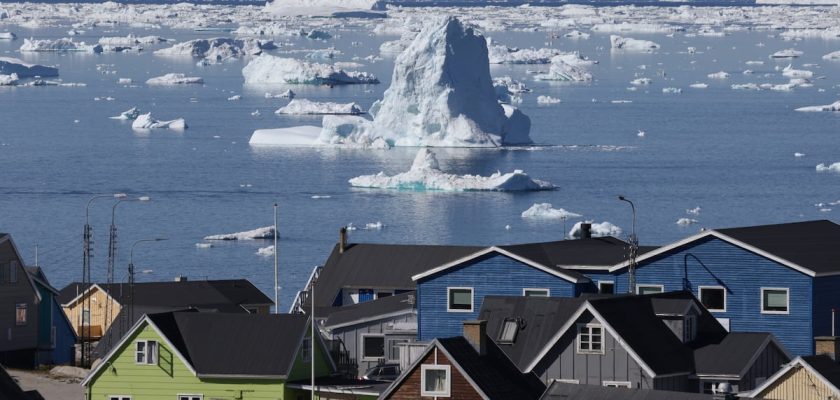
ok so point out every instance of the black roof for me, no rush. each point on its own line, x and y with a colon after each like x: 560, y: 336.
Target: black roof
x: 810, y: 244
x: 826, y: 367
x: 570, y: 391
x: 492, y: 372
x: 731, y: 355
x: 9, y: 388
x: 216, y: 293
x: 403, y: 302
x: 601, y: 251
x: 235, y: 344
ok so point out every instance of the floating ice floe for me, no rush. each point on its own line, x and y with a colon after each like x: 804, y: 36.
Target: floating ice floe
x: 33, y: 45
x: 10, y: 66
x: 745, y: 86
x: 499, y: 54
x: 547, y: 100
x: 597, y: 230
x: 562, y: 70
x: 798, y: 154
x: 833, y: 107
x: 629, y: 44
x: 235, y: 97
x: 787, y: 53
x: 575, y: 34
x: 8, y: 80
x: 833, y: 56
x: 303, y: 106
x: 698, y: 85
x: 174, y: 79
x: 130, y: 40
x: 634, y: 27
x: 693, y: 211
x: 270, y: 69
x: 829, y: 168
x: 288, y: 94
x: 374, y: 226
x: 718, y: 75
x: 686, y: 221
x: 203, y: 245
x: 267, y: 251
x: 425, y: 174
x: 259, y: 233
x: 125, y: 81
x: 128, y: 115
x: 145, y: 121
x: 641, y: 81
x: 671, y: 90
x: 790, y: 72
x: 218, y: 49
x: 545, y: 211
x: 7, y: 36
x: 327, y: 8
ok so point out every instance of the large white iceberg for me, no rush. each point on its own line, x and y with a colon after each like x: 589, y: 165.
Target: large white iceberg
x: 303, y: 106
x: 10, y: 66
x: 145, y: 121
x: 829, y: 168
x: 33, y: 45
x: 425, y: 174
x: 259, y: 233
x: 833, y: 56
x: 628, y: 44
x: 545, y: 211
x: 270, y: 69
x: 217, y: 49
x: 598, y: 229
x: 8, y: 80
x: 327, y: 8
x: 562, y: 70
x: 174, y: 79
x: 129, y: 40
x: 828, y: 107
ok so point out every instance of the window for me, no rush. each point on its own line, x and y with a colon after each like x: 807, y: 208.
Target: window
x: 688, y: 329
x: 713, y: 298
x: 460, y: 299
x: 590, y: 339
x: 510, y: 327
x: 373, y: 347
x: 606, y: 287
x: 119, y: 397
x: 85, y: 317
x: 380, y: 295
x: 306, y: 349
x: 775, y: 300
x: 365, y: 295
x: 394, y: 348
x: 435, y: 380
x: 616, y: 384
x: 649, y: 289
x: 536, y: 292
x: 20, y: 314
x: 190, y: 397
x: 13, y: 270
x: 146, y: 352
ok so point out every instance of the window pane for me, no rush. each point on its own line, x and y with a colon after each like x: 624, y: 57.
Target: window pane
x: 508, y: 333
x: 537, y: 293
x: 607, y: 288
x: 649, y: 289
x: 460, y: 299
x: 374, y: 346
x: 712, y: 298
x: 435, y: 380
x: 775, y: 300
x: 151, y: 353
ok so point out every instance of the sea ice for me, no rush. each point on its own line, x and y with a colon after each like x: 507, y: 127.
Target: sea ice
x: 545, y: 211
x: 327, y: 8
x: 259, y: 233
x: 303, y: 106
x: 267, y: 251
x: 7, y: 36
x: 425, y: 174
x: 671, y: 90
x: 203, y: 245
x: 8, y: 80
x: 628, y: 44
x: 833, y: 56
x: 787, y: 53
x: 546, y: 100
x: 10, y: 66
x: 499, y: 54
x: 174, y: 79
x: 129, y: 115
x: 790, y: 72
x: 829, y: 168
x: 686, y: 221
x: 698, y: 85
x: 719, y: 75
x: 828, y: 107
x: 145, y: 121
x: 598, y: 229
x: 561, y: 70
x: 218, y: 49
x: 270, y: 69
x: 33, y: 45
x: 641, y: 81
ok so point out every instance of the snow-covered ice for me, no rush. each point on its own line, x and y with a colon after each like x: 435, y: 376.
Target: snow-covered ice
x: 33, y: 45
x: 686, y: 221
x: 259, y: 233
x: 547, y: 100
x: 7, y: 36
x: 271, y: 69
x: 629, y: 44
x: 562, y: 70
x: 267, y: 251
x: 218, y: 49
x: 128, y: 115
x: 833, y: 107
x: 787, y: 53
x: 790, y: 72
x: 719, y: 75
x: 327, y: 8
x: 145, y: 121
x: 303, y: 106
x: 174, y: 79
x: 545, y: 211
x: 833, y: 56
x: 8, y: 80
x: 829, y: 168
x: 598, y: 229
x: 10, y: 66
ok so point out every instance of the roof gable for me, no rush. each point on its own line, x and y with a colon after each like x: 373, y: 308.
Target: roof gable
x: 820, y: 366
x: 567, y: 275
x: 219, y: 294
x: 734, y: 354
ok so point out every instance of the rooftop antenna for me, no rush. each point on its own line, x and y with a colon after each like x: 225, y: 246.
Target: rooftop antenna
x: 276, y: 286
x: 312, y: 340
x: 634, y: 247
x: 36, y: 254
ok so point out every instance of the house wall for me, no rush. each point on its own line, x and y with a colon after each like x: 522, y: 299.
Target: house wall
x: 351, y: 337
x: 14, y: 338
x: 711, y: 261
x: 491, y: 275
x: 100, y: 317
x: 65, y: 338
x: 768, y: 363
x: 797, y: 384
x: 826, y: 296
x: 409, y: 387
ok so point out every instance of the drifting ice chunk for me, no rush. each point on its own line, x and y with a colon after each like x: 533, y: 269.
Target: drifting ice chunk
x: 259, y: 233
x: 686, y: 221
x: 641, y: 81
x: 58, y: 45
x: 217, y: 49
x: 719, y: 75
x: 267, y: 251
x: 671, y: 90
x: 796, y: 73
x: 787, y: 53
x: 698, y: 85
x: 829, y: 168
x: 499, y: 54
x: 10, y: 66
x: 129, y: 40
x: 130, y: 114
x: 295, y: 136
x: 174, y: 79
x: 203, y: 245
x: 575, y: 34
x: 327, y: 8
x: 7, y: 36
x: 833, y: 56
x: 545, y: 211
x: 303, y: 106
x: 547, y: 100
x: 628, y: 44
x: 8, y: 80
x: 425, y: 174
x: 598, y: 229
x: 270, y: 69
x: 829, y: 107
x: 145, y: 121
x: 561, y: 70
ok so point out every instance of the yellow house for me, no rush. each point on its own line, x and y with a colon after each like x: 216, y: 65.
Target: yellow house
x: 804, y: 378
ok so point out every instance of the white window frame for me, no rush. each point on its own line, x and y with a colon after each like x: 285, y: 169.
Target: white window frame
x: 610, y: 282
x: 119, y: 397
x: 700, y: 297
x: 306, y: 349
x: 625, y: 384
x: 448, y: 297
x: 25, y: 308
x: 362, y: 347
x: 190, y: 396
x: 146, y: 360
x: 426, y: 367
x: 761, y: 301
x: 546, y: 290
x: 650, y: 285
x: 577, y: 338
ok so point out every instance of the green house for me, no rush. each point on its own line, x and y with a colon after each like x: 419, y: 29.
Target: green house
x: 208, y: 356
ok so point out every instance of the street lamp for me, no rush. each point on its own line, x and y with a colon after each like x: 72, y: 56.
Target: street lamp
x: 634, y: 247
x: 131, y: 275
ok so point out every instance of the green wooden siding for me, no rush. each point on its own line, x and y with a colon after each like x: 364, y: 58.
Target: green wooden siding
x: 171, y: 377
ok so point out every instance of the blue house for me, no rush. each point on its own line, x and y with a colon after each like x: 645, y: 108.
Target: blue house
x: 783, y: 279
x: 56, y: 338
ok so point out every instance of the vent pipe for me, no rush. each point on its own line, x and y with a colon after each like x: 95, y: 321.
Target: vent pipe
x: 585, y: 230
x: 342, y: 240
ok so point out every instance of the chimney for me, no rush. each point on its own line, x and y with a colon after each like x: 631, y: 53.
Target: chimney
x: 180, y: 278
x: 585, y: 230
x: 342, y: 239
x: 475, y: 331
x: 828, y: 345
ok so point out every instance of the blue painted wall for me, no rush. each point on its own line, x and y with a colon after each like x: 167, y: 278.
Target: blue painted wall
x: 65, y: 338
x: 493, y: 274
x: 714, y: 262
x: 826, y: 297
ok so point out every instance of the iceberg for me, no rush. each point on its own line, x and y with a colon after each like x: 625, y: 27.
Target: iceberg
x: 425, y: 174
x: 7, y: 36
x: 719, y: 75
x: 218, y: 49
x: 294, y: 136
x: 598, y: 229
x: 327, y: 8
x: 829, y: 168
x: 833, y: 56
x: 686, y: 221
x: 545, y: 211
x: 641, y: 81
x: 8, y: 80
x: 32, y: 45
x: 499, y: 54
x: 128, y: 115
x: 270, y: 69
x: 130, y: 40
x: 546, y: 100
x: 628, y: 44
x: 833, y: 107
x: 787, y: 53
x: 267, y: 251
x: 259, y: 233
x: 790, y: 72
x: 174, y: 79
x: 145, y: 121
x: 10, y: 66
x: 303, y: 107
x: 561, y: 70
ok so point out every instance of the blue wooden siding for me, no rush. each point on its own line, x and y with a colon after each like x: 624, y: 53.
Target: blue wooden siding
x: 493, y: 274
x: 65, y: 338
x: 826, y: 297
x: 714, y: 262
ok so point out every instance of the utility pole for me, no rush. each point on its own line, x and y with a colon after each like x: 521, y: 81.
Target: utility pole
x: 312, y: 340
x: 276, y: 250
x: 634, y: 248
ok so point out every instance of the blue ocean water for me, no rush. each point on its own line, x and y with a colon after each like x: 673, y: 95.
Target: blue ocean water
x: 730, y: 152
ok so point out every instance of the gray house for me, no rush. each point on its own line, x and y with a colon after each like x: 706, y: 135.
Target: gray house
x: 664, y: 341
x: 19, y: 301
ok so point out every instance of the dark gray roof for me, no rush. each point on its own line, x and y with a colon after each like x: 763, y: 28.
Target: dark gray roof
x: 671, y: 306
x: 826, y: 367
x: 185, y: 294
x: 235, y: 344
x: 602, y: 251
x: 371, y: 310
x: 492, y: 372
x: 570, y: 391
x: 810, y: 244
x: 731, y: 355
x: 542, y: 316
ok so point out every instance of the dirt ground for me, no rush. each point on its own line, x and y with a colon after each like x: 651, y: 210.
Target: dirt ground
x: 49, y: 387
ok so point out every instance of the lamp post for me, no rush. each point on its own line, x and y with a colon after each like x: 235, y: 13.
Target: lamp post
x: 86, y: 255
x: 276, y: 284
x: 131, y: 275
x: 634, y: 247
